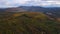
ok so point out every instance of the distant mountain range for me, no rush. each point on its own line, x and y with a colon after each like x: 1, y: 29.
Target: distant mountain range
x: 51, y: 11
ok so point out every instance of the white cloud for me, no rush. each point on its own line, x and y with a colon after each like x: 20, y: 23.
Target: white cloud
x: 49, y: 3
x: 12, y: 3
x: 15, y: 3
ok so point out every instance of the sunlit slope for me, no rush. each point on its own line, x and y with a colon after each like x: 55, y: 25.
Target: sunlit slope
x: 27, y: 23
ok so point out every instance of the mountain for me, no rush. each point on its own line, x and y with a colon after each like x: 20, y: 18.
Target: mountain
x: 51, y: 11
x: 27, y: 23
x: 33, y: 8
x: 30, y: 20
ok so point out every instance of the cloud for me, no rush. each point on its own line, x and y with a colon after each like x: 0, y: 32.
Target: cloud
x: 44, y: 3
x: 15, y: 3
x: 12, y: 3
x: 48, y: 3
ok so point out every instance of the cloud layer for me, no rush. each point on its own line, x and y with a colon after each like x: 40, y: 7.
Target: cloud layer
x: 15, y: 3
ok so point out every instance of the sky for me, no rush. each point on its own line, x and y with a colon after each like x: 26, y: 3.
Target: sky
x: 16, y: 3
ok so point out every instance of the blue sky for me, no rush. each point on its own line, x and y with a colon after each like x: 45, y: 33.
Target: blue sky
x: 16, y: 3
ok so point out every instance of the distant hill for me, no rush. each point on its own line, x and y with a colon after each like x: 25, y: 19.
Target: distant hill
x: 51, y: 11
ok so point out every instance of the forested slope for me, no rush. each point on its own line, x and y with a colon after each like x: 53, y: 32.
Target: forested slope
x: 27, y: 23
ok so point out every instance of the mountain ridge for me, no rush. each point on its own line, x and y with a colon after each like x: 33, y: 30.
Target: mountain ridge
x: 53, y: 11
